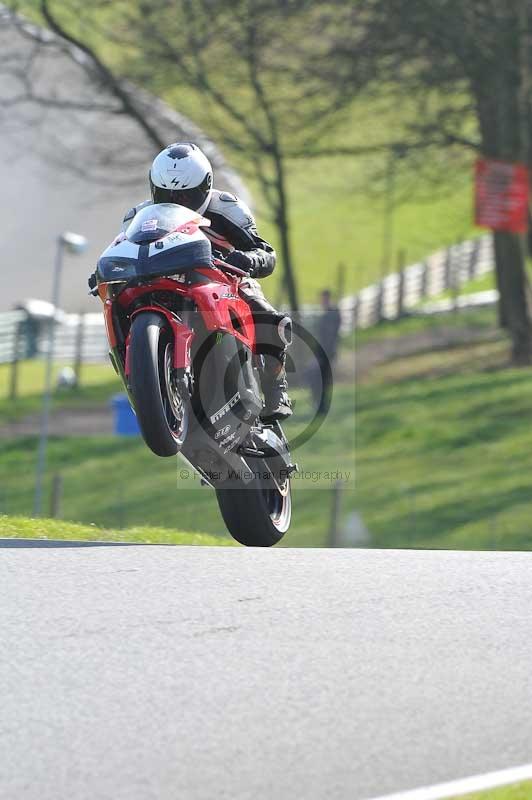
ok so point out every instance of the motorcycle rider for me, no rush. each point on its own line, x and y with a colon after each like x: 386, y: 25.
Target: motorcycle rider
x: 182, y: 174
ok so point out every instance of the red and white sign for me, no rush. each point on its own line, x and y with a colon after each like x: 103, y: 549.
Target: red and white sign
x: 501, y: 195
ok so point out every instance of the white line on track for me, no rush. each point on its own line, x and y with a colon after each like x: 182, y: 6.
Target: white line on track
x: 463, y: 786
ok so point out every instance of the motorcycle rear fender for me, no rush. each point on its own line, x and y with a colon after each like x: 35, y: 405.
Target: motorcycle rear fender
x: 182, y: 337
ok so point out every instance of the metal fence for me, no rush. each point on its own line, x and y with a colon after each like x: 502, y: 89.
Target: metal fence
x: 10, y: 335
x: 445, y: 270
x: 82, y: 337
x: 78, y: 337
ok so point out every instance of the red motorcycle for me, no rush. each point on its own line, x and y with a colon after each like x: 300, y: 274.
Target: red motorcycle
x: 183, y: 342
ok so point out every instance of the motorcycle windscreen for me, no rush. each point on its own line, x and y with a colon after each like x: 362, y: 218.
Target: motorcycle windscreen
x: 152, y: 247
x: 158, y: 220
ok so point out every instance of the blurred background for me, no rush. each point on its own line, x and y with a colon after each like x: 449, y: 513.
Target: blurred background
x: 384, y: 151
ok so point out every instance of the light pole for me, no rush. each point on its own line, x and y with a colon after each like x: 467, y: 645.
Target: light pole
x: 76, y: 244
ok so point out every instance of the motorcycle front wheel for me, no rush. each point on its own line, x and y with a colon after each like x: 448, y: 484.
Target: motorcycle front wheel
x: 257, y: 513
x: 159, y: 393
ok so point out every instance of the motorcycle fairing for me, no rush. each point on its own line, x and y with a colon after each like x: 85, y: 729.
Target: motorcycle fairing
x: 224, y: 310
x: 126, y: 297
x: 162, y: 239
x: 121, y: 263
x: 218, y: 303
x: 227, y: 397
x: 109, y: 322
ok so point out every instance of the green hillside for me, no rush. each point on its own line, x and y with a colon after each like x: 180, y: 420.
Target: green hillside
x: 338, y: 211
x: 118, y: 483
x: 444, y: 447
x: 98, y: 383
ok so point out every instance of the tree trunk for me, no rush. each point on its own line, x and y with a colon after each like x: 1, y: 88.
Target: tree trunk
x: 509, y: 254
x: 501, y: 124
x: 499, y: 260
x: 283, y: 226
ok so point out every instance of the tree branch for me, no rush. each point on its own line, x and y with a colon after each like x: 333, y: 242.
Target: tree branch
x: 107, y: 77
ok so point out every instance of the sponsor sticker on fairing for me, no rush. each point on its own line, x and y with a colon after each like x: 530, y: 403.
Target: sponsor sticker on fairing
x: 149, y: 225
x: 176, y: 237
x: 227, y: 407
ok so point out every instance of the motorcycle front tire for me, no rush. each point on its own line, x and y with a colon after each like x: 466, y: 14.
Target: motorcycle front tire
x: 150, y: 383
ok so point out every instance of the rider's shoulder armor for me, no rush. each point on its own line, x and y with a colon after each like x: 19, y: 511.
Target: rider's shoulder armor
x: 230, y: 207
x: 232, y: 223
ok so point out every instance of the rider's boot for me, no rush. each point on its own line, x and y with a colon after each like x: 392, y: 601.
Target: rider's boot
x: 277, y: 404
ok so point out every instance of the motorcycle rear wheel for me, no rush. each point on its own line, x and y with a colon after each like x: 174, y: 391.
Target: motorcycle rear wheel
x: 258, y: 513
x: 161, y: 400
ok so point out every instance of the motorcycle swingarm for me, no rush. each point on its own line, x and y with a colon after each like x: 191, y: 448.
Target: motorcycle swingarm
x: 269, y: 445
x: 249, y: 452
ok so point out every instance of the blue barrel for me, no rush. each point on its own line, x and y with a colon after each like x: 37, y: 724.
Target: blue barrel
x: 125, y: 421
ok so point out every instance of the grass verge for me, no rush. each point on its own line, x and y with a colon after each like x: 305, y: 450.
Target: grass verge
x: 25, y: 528
x: 520, y: 791
x: 118, y: 483
x: 412, y: 324
x: 98, y: 383
x: 444, y: 450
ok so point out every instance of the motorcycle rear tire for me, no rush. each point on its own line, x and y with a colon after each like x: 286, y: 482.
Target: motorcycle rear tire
x: 256, y: 514
x: 162, y: 431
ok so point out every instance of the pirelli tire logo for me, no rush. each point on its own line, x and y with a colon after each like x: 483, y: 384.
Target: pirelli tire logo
x: 224, y: 409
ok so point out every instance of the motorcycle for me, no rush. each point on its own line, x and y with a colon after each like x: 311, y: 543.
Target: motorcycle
x: 183, y: 342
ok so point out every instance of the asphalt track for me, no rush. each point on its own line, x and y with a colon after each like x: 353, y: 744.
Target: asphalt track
x: 174, y: 672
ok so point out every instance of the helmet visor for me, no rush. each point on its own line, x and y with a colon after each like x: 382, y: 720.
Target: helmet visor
x: 190, y: 198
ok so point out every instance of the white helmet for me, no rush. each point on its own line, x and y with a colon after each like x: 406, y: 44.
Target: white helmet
x: 182, y: 174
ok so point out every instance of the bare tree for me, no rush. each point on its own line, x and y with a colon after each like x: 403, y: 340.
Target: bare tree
x: 467, y: 65
x: 60, y: 86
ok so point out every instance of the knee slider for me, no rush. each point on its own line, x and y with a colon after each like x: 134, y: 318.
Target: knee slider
x: 284, y: 330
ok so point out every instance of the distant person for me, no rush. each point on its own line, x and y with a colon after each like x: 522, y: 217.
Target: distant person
x: 327, y: 334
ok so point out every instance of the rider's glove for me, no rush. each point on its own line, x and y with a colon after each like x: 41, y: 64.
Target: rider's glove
x: 242, y: 260
x: 93, y: 284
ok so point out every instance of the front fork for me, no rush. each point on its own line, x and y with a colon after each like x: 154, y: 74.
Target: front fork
x: 183, y: 336
x: 119, y: 345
